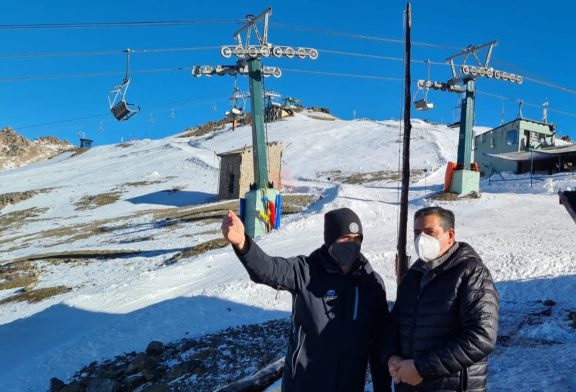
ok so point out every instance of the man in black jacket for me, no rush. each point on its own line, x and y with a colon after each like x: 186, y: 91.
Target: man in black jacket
x: 446, y: 312
x: 339, y: 307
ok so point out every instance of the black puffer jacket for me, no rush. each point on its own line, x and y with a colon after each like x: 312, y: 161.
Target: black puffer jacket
x: 337, y: 319
x: 449, y: 325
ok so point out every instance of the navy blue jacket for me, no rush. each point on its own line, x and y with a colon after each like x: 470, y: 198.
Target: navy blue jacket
x: 337, y: 320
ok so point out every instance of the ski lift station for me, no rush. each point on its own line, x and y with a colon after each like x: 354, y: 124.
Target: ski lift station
x: 237, y: 170
x: 86, y: 143
x: 522, y: 146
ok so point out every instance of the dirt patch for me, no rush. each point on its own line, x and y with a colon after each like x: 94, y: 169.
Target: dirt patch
x: 74, y: 256
x: 91, y: 202
x: 447, y: 196
x: 20, y: 274
x: 141, y: 183
x: 17, y: 219
x: 16, y: 197
x: 368, y: 177
x: 215, y: 243
x: 292, y: 204
x: 206, y: 128
x: 325, y: 118
x: 37, y: 295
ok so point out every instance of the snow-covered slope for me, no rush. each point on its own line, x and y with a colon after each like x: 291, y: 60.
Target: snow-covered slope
x: 101, y: 208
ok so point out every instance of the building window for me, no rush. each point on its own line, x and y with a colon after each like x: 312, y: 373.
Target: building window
x: 511, y: 137
x: 492, y: 142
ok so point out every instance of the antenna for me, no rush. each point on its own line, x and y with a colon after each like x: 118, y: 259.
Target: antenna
x: 100, y: 127
x: 172, y: 115
x: 545, y: 111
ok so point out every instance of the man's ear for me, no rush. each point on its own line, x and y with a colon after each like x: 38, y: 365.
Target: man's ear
x: 452, y: 235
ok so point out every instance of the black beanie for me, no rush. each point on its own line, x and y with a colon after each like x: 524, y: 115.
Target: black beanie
x: 340, y: 222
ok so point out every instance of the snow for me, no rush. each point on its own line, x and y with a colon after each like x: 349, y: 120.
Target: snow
x: 119, y: 304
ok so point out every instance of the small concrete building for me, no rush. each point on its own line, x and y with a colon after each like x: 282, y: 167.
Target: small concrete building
x: 518, y: 136
x: 237, y: 170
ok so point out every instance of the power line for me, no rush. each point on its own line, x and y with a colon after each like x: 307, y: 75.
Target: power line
x: 502, y: 97
x: 97, y: 25
x: 92, y: 74
x: 93, y: 25
x: 360, y: 36
x: 104, y: 52
x: 342, y: 74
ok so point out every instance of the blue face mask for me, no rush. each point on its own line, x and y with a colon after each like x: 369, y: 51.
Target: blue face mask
x: 344, y: 253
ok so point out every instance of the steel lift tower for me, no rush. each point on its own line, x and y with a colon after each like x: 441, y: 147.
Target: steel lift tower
x: 256, y: 212
x: 465, y: 179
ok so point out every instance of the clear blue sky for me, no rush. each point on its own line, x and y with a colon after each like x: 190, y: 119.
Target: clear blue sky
x: 535, y: 40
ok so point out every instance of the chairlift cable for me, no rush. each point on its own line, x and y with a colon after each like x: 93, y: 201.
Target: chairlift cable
x: 196, y: 101
x: 92, y: 25
x: 342, y: 74
x: 104, y: 52
x: 361, y: 36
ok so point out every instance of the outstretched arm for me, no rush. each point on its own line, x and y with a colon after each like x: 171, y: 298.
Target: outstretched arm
x: 277, y: 272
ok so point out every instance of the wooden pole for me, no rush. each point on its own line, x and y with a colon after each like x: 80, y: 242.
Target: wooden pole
x: 401, y: 256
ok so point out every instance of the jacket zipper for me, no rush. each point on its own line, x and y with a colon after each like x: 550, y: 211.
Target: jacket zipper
x: 297, y: 352
x: 413, y: 330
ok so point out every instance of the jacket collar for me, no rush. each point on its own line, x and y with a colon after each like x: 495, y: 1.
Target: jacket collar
x: 461, y: 253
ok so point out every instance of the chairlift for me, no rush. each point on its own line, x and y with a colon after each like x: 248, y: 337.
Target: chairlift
x: 121, y: 109
x: 238, y: 99
x: 423, y: 104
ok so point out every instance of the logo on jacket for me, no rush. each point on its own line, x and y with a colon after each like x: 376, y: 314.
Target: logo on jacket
x: 331, y: 294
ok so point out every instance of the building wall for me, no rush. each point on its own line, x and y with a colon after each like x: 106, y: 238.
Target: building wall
x: 495, y: 142
x: 527, y: 135
x: 241, y: 166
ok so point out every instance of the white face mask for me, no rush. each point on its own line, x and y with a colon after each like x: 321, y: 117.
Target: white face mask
x: 427, y: 247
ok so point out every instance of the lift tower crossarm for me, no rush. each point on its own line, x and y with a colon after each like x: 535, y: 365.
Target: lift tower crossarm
x: 251, y: 23
x: 472, y: 50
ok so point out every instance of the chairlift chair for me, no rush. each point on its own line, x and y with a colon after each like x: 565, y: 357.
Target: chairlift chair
x: 423, y: 104
x: 121, y: 109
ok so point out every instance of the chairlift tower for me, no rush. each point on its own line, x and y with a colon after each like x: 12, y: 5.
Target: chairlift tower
x: 465, y: 179
x: 249, y: 63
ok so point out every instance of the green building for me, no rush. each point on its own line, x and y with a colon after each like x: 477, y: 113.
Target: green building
x: 504, y: 148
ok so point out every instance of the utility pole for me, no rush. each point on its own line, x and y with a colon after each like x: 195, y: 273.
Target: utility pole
x: 402, y: 259
x: 261, y: 193
x: 465, y: 180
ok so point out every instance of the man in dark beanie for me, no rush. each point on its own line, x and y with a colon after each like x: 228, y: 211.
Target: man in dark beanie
x: 339, y: 310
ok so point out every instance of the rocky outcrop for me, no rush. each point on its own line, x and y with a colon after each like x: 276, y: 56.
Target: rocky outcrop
x: 201, y: 364
x: 16, y: 150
